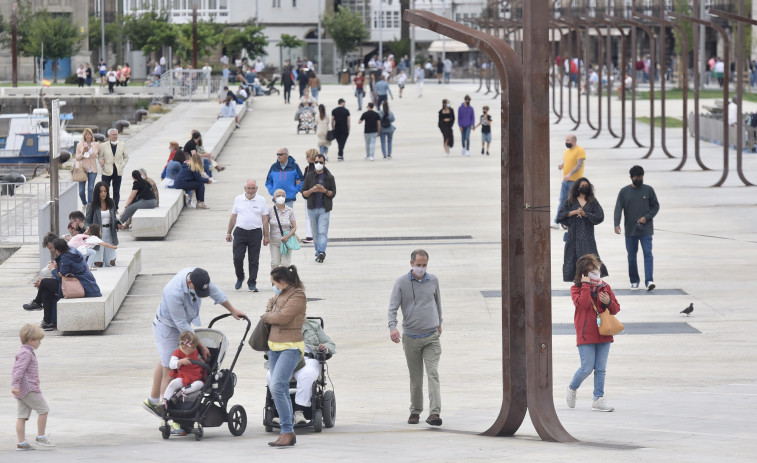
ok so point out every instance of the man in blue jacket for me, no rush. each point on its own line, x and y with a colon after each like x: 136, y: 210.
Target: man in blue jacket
x: 286, y: 175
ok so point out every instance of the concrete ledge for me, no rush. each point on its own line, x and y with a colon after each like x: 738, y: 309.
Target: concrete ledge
x: 155, y: 223
x: 95, y: 313
x: 94, y: 90
x: 215, y: 138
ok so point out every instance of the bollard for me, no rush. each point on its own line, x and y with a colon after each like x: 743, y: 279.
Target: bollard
x: 10, y: 182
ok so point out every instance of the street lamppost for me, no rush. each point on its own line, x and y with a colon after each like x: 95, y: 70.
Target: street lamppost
x: 381, y: 29
x: 319, y: 37
x: 103, y: 53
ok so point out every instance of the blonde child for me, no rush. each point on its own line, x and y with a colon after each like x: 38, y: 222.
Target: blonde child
x: 86, y: 241
x: 188, y: 376
x: 25, y: 388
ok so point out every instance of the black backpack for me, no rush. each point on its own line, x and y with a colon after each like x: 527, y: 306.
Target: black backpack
x: 385, y: 122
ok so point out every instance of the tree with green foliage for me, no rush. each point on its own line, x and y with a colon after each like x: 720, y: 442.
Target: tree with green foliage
x: 55, y: 36
x: 139, y: 29
x: 347, y: 29
x: 114, y: 33
x: 398, y: 48
x: 289, y: 42
x: 250, y: 38
x: 208, y: 36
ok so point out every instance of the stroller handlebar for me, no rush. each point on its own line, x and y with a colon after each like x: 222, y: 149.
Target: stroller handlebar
x: 222, y: 316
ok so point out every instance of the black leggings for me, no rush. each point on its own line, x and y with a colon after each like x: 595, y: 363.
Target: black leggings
x: 287, y: 93
x: 341, y: 139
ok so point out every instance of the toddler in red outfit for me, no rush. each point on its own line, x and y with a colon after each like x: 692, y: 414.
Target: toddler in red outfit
x: 187, y: 375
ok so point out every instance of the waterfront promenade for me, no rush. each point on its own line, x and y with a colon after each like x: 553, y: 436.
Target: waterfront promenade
x: 677, y: 397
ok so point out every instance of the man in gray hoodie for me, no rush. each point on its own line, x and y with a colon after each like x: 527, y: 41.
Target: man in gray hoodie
x: 417, y: 294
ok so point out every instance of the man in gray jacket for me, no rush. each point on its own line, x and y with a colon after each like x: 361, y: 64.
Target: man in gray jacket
x: 417, y: 294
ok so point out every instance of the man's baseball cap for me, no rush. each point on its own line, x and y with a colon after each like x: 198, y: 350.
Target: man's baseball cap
x: 201, y: 281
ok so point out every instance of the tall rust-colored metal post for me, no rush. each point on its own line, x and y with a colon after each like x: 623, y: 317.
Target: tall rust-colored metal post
x: 741, y: 19
x: 526, y: 302
x: 726, y: 80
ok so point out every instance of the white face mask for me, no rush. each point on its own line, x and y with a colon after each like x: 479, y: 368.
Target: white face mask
x: 280, y: 200
x: 419, y: 271
x: 318, y: 166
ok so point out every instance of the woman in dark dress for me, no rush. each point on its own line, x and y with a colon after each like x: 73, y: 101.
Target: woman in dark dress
x: 580, y: 213
x: 446, y: 122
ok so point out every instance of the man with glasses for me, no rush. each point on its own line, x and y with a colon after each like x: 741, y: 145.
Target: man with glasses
x: 286, y: 175
x: 247, y: 225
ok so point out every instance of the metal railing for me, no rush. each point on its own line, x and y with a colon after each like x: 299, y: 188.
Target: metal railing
x: 19, y: 209
x: 711, y: 129
x: 190, y: 84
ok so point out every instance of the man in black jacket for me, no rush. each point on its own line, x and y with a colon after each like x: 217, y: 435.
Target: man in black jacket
x: 319, y: 188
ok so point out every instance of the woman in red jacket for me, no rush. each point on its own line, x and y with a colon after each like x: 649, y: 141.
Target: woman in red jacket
x: 591, y: 296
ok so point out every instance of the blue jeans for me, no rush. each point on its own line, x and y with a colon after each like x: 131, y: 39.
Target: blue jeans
x: 370, y: 144
x: 319, y: 223
x: 323, y: 149
x: 386, y: 143
x: 564, y: 190
x: 207, y: 166
x: 593, y: 357
x: 281, y: 364
x: 359, y: 94
x: 314, y: 93
x: 466, y: 138
x: 89, y: 185
x: 632, y: 246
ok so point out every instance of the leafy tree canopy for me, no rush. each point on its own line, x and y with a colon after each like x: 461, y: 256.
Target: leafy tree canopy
x: 250, y: 38
x: 346, y: 28
x: 290, y: 41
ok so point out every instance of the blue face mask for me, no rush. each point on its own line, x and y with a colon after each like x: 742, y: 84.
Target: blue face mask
x: 276, y: 290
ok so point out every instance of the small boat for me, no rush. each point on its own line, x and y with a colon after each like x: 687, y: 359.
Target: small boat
x: 25, y: 138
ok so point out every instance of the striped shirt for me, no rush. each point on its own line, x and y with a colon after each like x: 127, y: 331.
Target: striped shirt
x: 25, y: 376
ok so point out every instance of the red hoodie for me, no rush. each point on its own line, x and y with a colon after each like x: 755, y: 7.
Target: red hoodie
x: 585, y: 319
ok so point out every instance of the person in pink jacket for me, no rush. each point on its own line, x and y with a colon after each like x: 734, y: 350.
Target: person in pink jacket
x: 591, y: 296
x: 25, y: 387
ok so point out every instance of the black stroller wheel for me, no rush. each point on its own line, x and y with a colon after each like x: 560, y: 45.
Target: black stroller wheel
x: 198, y: 432
x: 268, y: 420
x: 237, y: 420
x: 318, y: 421
x: 165, y: 431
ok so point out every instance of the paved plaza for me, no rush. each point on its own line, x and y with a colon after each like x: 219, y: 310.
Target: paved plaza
x: 677, y: 397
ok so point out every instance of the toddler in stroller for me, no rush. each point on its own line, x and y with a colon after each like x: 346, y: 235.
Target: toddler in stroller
x: 305, y: 118
x: 208, y: 405
x: 188, y: 376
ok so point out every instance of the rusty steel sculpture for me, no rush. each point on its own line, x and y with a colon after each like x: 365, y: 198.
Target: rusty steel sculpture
x: 526, y: 302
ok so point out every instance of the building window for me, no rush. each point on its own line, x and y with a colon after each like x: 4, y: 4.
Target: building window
x: 276, y: 4
x: 294, y: 3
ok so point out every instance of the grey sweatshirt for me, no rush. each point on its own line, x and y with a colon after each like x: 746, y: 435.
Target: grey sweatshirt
x: 636, y: 203
x: 421, y: 304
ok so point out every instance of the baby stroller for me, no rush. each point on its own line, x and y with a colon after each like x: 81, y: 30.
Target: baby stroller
x: 322, y: 411
x: 271, y: 87
x: 208, y: 406
x: 305, y: 118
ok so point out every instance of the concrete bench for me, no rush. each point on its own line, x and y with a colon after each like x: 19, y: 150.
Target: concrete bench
x: 155, y: 223
x: 96, y: 313
x: 215, y: 138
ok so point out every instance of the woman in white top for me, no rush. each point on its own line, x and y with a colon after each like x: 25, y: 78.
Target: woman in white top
x: 229, y: 109
x: 102, y: 211
x: 321, y: 131
x: 87, y: 151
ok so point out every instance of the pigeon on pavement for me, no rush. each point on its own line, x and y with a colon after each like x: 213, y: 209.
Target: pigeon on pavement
x: 688, y: 309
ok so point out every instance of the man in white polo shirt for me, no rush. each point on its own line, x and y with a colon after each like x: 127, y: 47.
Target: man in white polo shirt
x: 248, y: 223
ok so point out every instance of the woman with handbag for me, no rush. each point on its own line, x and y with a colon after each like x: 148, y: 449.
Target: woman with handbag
x: 591, y: 297
x: 85, y: 165
x: 285, y: 314
x: 102, y: 211
x: 282, y: 227
x: 71, y: 278
x: 322, y: 128
x: 581, y: 212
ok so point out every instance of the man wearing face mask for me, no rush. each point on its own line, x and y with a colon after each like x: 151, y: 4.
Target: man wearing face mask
x: 113, y: 159
x: 319, y: 188
x: 417, y: 294
x: 572, y: 169
x: 639, y: 204
x: 179, y: 309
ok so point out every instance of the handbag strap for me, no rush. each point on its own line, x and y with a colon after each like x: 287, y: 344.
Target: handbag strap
x: 276, y: 211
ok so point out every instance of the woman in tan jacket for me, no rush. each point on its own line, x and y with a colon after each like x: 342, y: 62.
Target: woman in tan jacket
x: 286, y: 314
x: 86, y: 152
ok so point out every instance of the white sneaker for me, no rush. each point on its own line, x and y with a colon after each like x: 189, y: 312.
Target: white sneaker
x: 554, y: 225
x: 276, y: 420
x: 601, y: 405
x: 651, y: 286
x: 634, y: 286
x: 299, y: 417
x: 462, y: 152
x: 570, y: 397
x: 43, y: 441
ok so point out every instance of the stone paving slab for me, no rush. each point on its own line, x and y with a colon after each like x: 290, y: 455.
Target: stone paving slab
x: 677, y: 397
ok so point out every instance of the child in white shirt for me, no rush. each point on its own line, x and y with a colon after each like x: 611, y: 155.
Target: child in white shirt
x: 86, y: 241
